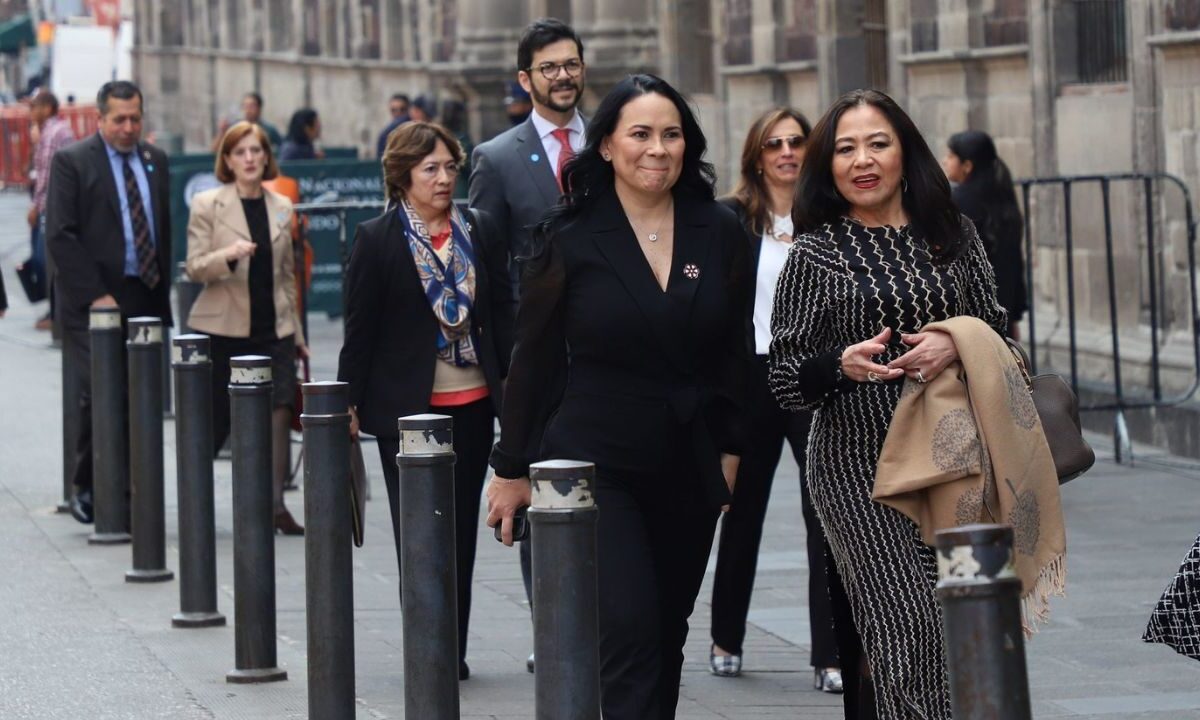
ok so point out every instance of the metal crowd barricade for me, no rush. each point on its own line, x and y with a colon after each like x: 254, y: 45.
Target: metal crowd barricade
x: 339, y: 208
x: 1123, y: 398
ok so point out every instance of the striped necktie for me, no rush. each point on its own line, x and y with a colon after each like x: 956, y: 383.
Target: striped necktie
x: 147, y: 260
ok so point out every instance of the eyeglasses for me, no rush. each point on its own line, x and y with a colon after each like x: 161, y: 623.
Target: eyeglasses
x: 550, y: 70
x: 795, y: 142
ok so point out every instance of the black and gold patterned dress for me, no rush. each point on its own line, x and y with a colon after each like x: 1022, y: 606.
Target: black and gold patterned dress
x: 1176, y: 618
x: 841, y: 286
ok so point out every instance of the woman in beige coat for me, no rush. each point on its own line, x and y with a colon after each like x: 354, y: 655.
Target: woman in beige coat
x: 240, y: 247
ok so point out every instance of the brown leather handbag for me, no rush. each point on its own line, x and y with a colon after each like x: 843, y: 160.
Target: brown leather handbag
x: 1058, y: 409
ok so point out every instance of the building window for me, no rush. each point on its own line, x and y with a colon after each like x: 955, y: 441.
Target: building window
x: 368, y: 46
x: 797, y: 31
x: 924, y: 25
x: 445, y: 30
x: 1182, y: 14
x: 1100, y: 43
x: 875, y: 32
x: 280, y: 25
x: 738, y: 49
x: 1007, y: 23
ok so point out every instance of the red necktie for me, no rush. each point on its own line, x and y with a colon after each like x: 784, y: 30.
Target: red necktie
x: 565, y: 153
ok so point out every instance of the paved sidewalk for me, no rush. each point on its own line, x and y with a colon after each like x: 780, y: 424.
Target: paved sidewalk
x: 79, y: 642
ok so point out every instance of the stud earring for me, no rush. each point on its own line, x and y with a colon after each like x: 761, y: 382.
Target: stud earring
x: 606, y: 157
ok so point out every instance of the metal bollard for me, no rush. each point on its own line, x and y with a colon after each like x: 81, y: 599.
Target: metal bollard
x: 146, y: 451
x: 980, y: 595
x: 110, y: 434
x: 253, y: 522
x: 566, y: 616
x: 186, y: 292
x: 328, y: 574
x: 70, y: 435
x: 192, y: 363
x: 428, y: 580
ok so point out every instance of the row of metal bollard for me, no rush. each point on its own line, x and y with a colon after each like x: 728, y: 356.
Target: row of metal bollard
x: 978, y: 589
x: 563, y: 517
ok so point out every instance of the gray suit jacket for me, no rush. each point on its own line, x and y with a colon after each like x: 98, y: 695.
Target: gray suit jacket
x: 511, y: 180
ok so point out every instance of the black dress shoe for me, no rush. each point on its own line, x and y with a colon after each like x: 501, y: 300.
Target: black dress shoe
x: 81, y: 506
x: 464, y: 672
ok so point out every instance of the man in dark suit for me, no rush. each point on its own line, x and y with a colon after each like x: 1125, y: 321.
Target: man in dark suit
x: 108, y: 229
x: 515, y: 175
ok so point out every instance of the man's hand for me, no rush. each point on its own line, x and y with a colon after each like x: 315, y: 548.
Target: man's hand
x: 105, y: 301
x: 33, y: 216
x: 505, y: 496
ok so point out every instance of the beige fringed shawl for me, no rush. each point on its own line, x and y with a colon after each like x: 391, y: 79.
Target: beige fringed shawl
x: 968, y: 447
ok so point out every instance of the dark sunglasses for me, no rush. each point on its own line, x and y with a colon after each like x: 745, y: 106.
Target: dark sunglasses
x: 795, y: 142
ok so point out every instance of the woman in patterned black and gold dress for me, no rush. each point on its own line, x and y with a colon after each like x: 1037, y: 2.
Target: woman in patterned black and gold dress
x: 881, y: 253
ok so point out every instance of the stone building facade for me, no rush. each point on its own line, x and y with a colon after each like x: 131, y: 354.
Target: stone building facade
x: 1066, y: 87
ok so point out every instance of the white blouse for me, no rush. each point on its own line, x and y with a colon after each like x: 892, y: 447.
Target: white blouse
x: 770, y: 263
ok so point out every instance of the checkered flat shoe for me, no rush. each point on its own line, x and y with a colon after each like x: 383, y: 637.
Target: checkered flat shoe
x: 724, y: 665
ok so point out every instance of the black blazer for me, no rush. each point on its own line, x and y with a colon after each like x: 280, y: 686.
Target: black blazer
x: 390, y: 347
x: 85, y: 233
x: 652, y: 374
x: 754, y: 246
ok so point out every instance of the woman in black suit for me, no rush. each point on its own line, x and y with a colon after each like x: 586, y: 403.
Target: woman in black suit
x: 641, y: 282
x: 404, y: 354
x: 770, y: 169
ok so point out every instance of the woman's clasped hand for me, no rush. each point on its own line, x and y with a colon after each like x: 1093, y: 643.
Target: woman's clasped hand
x: 929, y: 354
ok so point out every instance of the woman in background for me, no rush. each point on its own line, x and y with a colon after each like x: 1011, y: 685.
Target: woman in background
x: 984, y: 193
x: 240, y: 247
x: 303, y: 132
x: 771, y: 160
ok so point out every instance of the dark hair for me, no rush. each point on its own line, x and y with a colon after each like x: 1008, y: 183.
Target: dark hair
x: 121, y: 90
x: 454, y: 116
x: 45, y: 97
x: 401, y: 97
x: 301, y: 119
x: 229, y: 141
x: 926, y: 198
x: 989, y: 182
x: 426, y: 104
x: 406, y: 147
x: 588, y: 175
x: 539, y: 34
x: 256, y: 97
x: 751, y: 189
x: 989, y: 174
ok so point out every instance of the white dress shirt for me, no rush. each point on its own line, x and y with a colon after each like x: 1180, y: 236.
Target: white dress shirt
x: 545, y: 128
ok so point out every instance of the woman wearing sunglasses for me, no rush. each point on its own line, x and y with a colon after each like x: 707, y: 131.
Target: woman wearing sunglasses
x: 770, y: 170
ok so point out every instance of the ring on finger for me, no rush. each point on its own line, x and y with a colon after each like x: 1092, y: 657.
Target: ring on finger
x: 872, y: 377
x: 920, y: 377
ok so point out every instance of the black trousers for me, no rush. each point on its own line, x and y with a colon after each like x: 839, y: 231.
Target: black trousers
x: 222, y: 349
x: 137, y: 300
x: 858, y: 698
x: 473, y: 436
x: 654, y: 533
x: 742, y: 527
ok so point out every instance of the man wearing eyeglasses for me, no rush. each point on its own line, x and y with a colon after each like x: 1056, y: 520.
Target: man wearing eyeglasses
x: 515, y: 176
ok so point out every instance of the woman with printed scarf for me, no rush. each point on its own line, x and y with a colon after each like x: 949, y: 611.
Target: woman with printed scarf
x: 429, y: 316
